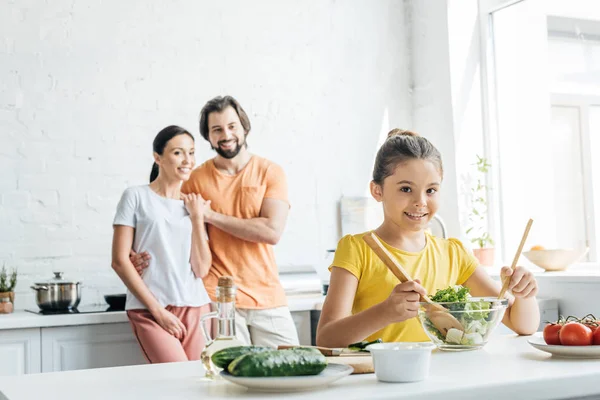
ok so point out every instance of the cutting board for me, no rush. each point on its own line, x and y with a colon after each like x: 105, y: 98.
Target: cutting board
x: 360, y: 364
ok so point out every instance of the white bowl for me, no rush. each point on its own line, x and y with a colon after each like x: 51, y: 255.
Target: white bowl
x: 555, y: 259
x: 401, y: 361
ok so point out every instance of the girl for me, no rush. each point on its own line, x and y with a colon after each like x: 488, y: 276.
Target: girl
x: 364, y: 298
x: 165, y: 304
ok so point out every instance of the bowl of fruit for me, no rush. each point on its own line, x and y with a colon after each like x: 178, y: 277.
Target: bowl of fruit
x: 462, y: 322
x: 554, y: 259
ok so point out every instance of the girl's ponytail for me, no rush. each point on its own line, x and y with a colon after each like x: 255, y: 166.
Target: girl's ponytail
x: 401, y: 132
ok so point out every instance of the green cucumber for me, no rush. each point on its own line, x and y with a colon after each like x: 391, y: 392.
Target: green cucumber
x: 223, y: 357
x: 289, y: 362
x: 362, y: 345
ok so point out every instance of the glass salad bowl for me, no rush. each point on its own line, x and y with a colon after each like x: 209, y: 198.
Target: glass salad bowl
x: 478, y: 316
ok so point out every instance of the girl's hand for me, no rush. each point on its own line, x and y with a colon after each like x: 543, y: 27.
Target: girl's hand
x: 522, y: 282
x: 195, y: 205
x: 170, y: 323
x: 403, y: 302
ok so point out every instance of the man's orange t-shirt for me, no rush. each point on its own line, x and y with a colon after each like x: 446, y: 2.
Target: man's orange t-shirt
x: 252, y: 265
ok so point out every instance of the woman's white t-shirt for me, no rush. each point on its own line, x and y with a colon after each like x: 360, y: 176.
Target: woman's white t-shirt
x: 163, y: 229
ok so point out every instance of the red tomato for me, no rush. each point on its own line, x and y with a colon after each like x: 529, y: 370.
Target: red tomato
x: 575, y: 334
x: 592, y: 325
x: 596, y: 337
x: 551, y: 333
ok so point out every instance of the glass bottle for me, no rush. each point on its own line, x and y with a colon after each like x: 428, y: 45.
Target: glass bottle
x: 225, y: 318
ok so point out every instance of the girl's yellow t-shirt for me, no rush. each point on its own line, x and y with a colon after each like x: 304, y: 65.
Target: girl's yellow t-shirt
x: 441, y: 263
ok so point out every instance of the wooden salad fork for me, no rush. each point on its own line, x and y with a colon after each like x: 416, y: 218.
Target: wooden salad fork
x: 437, y: 314
x: 516, y: 259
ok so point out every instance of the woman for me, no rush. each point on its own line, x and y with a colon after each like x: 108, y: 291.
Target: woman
x: 165, y: 303
x: 364, y: 299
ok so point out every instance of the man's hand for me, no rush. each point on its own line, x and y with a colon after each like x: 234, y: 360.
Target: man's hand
x: 139, y: 260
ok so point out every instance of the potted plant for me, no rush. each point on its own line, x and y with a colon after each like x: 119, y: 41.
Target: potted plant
x: 7, y: 286
x: 477, y: 231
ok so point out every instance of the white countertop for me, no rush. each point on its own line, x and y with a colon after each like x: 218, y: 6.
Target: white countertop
x: 508, y: 367
x: 578, y: 273
x: 21, y: 319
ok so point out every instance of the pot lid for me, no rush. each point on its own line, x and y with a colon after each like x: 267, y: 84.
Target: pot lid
x: 58, y: 279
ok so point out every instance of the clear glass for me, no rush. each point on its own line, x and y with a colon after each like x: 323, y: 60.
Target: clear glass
x: 479, y: 316
x: 225, y: 327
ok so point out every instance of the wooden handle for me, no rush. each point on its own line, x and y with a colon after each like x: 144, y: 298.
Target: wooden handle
x: 389, y: 260
x: 516, y: 259
x: 439, y: 316
x: 326, y: 351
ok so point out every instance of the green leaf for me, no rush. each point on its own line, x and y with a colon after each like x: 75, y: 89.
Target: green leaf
x: 451, y: 294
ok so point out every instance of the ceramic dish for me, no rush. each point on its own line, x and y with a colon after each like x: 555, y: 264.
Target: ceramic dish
x: 537, y: 341
x: 555, y: 259
x: 330, y: 374
x: 401, y: 362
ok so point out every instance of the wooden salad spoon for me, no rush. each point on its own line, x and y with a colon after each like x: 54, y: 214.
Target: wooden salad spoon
x: 516, y: 259
x: 437, y: 314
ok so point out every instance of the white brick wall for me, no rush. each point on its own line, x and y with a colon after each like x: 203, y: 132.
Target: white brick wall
x: 85, y: 85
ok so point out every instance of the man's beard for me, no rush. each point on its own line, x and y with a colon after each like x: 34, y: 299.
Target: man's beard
x: 228, y: 154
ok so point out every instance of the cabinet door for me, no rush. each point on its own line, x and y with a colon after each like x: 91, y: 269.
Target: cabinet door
x: 302, y: 322
x: 20, y: 351
x: 89, y: 346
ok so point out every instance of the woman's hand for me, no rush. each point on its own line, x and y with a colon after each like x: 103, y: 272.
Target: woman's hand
x: 403, y: 302
x: 170, y: 323
x: 195, y: 205
x: 522, y: 282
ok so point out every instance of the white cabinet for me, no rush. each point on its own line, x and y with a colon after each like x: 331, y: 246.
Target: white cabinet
x: 302, y: 322
x: 89, y: 346
x: 20, y: 351
x: 27, y: 349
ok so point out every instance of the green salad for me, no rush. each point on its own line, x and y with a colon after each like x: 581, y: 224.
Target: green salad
x: 473, y: 315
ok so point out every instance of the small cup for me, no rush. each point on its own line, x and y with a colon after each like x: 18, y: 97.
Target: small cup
x: 401, y: 361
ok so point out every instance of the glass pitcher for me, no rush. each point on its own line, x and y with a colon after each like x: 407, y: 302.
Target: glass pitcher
x: 225, y: 317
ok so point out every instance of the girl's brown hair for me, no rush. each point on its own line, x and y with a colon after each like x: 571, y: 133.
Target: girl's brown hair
x: 401, y: 146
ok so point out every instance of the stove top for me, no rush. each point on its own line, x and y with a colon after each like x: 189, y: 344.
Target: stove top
x: 79, y: 310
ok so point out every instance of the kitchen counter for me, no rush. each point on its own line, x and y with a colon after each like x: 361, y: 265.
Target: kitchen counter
x: 22, y: 319
x: 507, y: 367
x: 579, y: 273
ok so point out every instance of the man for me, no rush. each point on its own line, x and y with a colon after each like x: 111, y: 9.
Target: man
x: 250, y: 206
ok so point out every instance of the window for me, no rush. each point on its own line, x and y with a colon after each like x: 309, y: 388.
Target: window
x: 544, y: 134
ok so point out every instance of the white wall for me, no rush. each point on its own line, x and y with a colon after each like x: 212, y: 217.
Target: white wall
x: 85, y: 85
x: 432, y: 96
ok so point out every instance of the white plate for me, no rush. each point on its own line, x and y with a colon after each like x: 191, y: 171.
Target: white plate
x: 331, y: 373
x: 537, y: 341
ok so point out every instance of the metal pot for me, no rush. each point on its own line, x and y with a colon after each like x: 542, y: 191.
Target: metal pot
x: 57, y: 293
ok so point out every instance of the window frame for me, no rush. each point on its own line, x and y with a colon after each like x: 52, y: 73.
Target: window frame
x: 490, y: 130
x: 489, y: 113
x: 583, y: 104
